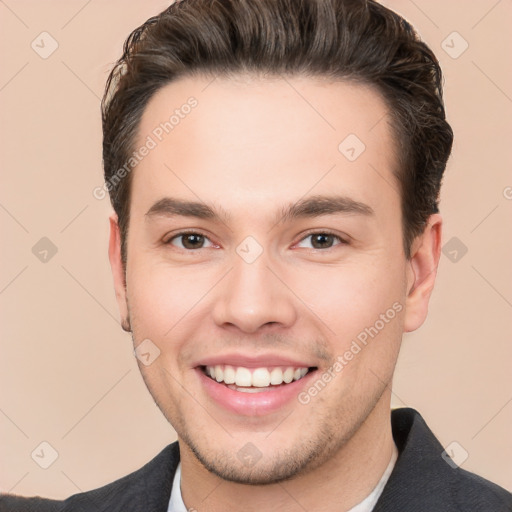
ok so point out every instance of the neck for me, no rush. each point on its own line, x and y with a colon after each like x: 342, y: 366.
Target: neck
x: 338, y: 484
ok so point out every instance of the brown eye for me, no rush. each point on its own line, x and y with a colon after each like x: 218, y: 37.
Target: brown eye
x: 322, y: 240
x: 189, y: 241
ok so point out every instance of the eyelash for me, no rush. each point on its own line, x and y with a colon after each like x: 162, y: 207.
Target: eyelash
x: 311, y: 233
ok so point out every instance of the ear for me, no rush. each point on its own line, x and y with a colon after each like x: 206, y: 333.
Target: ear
x: 421, y: 272
x: 116, y: 264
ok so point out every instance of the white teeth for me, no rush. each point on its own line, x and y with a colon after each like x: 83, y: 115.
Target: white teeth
x: 247, y: 390
x: 260, y: 378
x: 288, y: 375
x: 254, y: 377
x: 229, y: 374
x: 243, y: 377
x: 276, y: 376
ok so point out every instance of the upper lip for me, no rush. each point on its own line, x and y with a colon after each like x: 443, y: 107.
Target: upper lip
x: 248, y: 361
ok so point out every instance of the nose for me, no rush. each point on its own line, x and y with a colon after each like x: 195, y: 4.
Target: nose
x: 253, y: 296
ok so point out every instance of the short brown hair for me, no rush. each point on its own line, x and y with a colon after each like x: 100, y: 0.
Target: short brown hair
x: 358, y: 40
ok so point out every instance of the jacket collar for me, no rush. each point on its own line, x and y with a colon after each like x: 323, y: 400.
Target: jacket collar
x: 421, y: 481
x: 419, y: 466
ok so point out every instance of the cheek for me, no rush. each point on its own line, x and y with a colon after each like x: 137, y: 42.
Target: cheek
x: 351, y: 297
x: 161, y: 297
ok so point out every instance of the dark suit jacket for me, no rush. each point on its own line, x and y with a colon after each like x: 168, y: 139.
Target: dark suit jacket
x: 421, y: 481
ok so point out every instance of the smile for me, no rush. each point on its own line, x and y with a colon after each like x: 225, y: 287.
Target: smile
x: 254, y: 391
x: 254, y: 380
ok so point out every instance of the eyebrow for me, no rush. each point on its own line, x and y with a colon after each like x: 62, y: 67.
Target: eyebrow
x: 314, y: 206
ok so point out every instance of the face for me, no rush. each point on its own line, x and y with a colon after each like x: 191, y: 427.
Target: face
x: 264, y: 243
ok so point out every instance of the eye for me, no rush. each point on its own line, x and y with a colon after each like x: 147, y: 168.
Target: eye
x: 189, y: 240
x: 322, y: 240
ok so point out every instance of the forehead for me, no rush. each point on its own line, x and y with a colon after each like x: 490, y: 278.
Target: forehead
x: 262, y: 140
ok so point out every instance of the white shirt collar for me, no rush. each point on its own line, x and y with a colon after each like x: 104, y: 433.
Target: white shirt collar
x: 176, y: 502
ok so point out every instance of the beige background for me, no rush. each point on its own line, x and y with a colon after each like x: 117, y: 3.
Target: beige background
x: 68, y: 376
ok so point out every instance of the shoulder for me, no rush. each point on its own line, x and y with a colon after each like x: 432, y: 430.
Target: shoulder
x: 469, y: 489
x: 11, y: 503
x: 148, y: 489
x: 425, y: 478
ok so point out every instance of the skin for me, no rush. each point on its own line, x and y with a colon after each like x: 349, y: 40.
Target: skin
x: 252, y: 146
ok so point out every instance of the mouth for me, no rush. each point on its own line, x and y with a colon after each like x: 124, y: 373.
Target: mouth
x: 255, y: 380
x: 254, y: 392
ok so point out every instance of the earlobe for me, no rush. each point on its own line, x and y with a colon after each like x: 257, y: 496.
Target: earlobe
x: 118, y: 271
x: 421, y: 273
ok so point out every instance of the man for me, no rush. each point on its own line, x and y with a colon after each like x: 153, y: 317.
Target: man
x: 275, y: 168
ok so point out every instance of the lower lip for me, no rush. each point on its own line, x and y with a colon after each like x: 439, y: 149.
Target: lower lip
x: 253, y: 404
